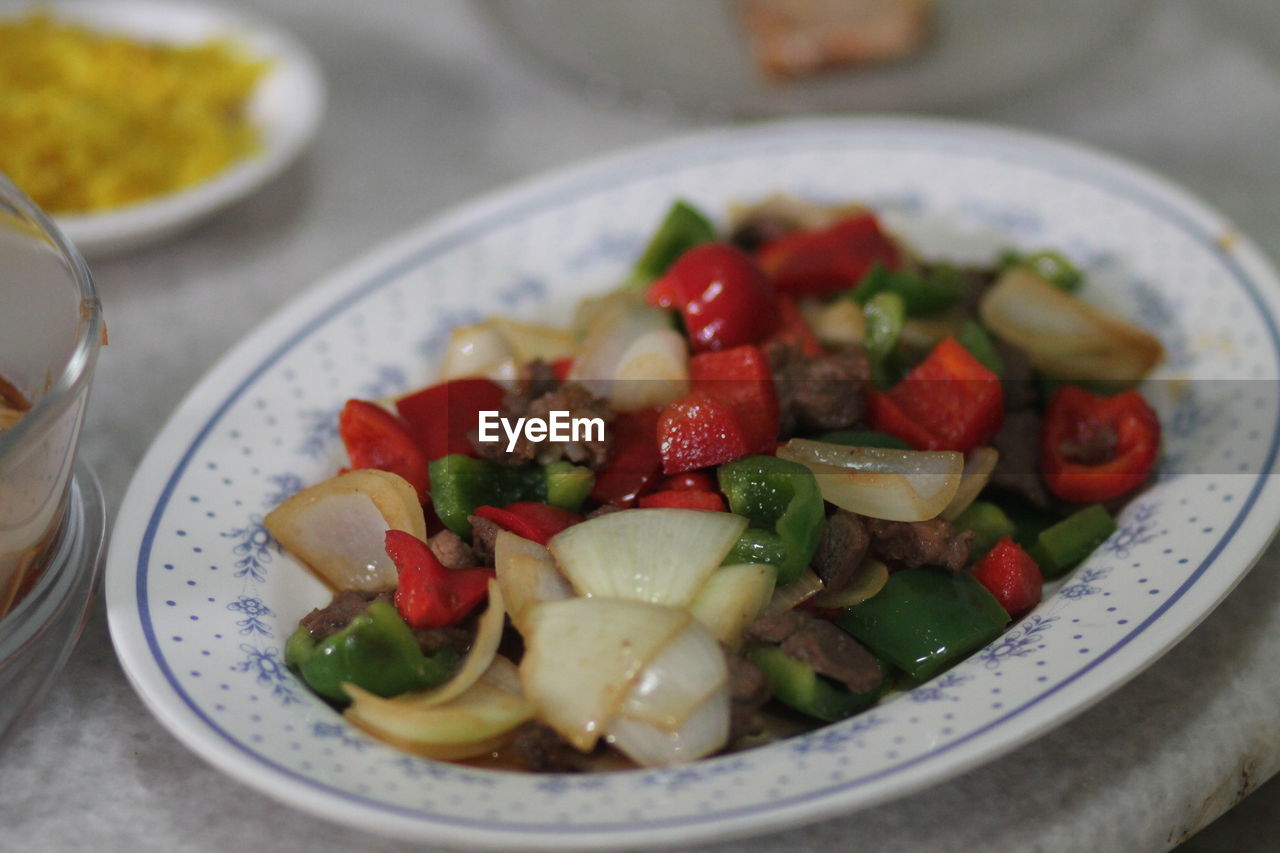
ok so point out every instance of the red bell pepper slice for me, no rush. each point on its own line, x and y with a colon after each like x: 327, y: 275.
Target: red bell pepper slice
x: 635, y: 466
x: 375, y: 438
x: 428, y: 595
x: 1120, y: 433
x: 823, y: 261
x: 794, y: 330
x: 698, y: 432
x: 724, y: 297
x: 740, y: 377
x: 441, y: 417
x: 530, y: 520
x: 685, y: 499
x: 689, y: 481
x: 950, y: 401
x: 561, y: 367
x: 1011, y: 576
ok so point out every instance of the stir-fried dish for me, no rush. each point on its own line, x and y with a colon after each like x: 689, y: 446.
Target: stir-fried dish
x: 778, y: 474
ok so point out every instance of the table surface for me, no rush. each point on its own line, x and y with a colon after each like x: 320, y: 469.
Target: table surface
x: 427, y: 108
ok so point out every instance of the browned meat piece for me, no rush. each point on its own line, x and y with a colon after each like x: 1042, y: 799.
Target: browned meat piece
x: 748, y: 692
x: 432, y: 640
x: 338, y: 613
x: 842, y: 548
x: 568, y: 397
x: 484, y: 533
x: 537, y: 747
x: 452, y: 552
x: 536, y: 379
x: 821, y: 393
x: 1018, y: 468
x: 757, y: 230
x: 908, y: 544
x: 1019, y: 381
x: 821, y: 645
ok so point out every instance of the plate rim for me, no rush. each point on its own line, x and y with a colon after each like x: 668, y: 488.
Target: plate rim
x: 330, y: 294
x: 100, y: 234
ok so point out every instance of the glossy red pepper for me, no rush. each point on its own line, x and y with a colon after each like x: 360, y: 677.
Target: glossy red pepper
x: 740, y: 377
x: 698, y: 432
x: 534, y: 521
x: 1011, y: 576
x: 440, y: 417
x: 428, y: 595
x: 685, y: 499
x: 950, y: 401
x: 722, y: 294
x: 375, y: 438
x: 689, y: 481
x: 561, y: 367
x: 826, y: 260
x: 1122, y: 432
x: 794, y: 330
x: 635, y: 464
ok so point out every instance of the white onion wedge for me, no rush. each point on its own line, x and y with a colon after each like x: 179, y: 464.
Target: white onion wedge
x: 867, y: 580
x: 662, y: 556
x: 840, y: 323
x: 703, y: 732
x: 484, y: 650
x: 1063, y: 336
x: 624, y: 339
x: 479, y: 350
x: 527, y: 574
x: 474, y: 723
x: 732, y: 598
x: 582, y: 656
x: 339, y: 527
x: 531, y: 341
x: 679, y: 679
x: 978, y: 466
x: 794, y: 594
x: 897, y: 485
x: 652, y: 372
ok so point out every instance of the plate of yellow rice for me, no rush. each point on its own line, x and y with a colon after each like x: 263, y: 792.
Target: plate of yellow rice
x: 129, y: 120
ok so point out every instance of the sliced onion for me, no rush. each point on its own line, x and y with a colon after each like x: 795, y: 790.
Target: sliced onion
x: 484, y: 649
x: 705, y: 731
x: 662, y: 556
x: 531, y: 341
x: 897, y: 485
x: 479, y: 350
x: 1063, y: 336
x: 474, y: 723
x: 924, y: 333
x: 978, y: 466
x: 868, y: 579
x: 794, y: 594
x: 678, y: 680
x: 839, y: 323
x: 527, y: 574
x: 652, y: 372
x: 582, y: 656
x: 614, y: 347
x: 732, y: 598
x: 339, y: 527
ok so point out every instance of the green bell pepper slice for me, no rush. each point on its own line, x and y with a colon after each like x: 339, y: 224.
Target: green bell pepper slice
x: 975, y: 339
x: 1052, y: 266
x: 921, y: 295
x: 989, y: 524
x: 796, y: 685
x: 924, y: 620
x: 567, y: 484
x: 784, y: 506
x: 460, y: 483
x: 683, y: 228
x: 376, y: 651
x: 885, y: 314
x: 1066, y: 544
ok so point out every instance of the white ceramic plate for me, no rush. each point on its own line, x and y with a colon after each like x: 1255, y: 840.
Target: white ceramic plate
x: 200, y: 599
x: 287, y: 105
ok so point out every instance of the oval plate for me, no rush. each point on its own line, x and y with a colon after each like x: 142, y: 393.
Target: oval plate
x: 200, y: 599
x: 287, y: 106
